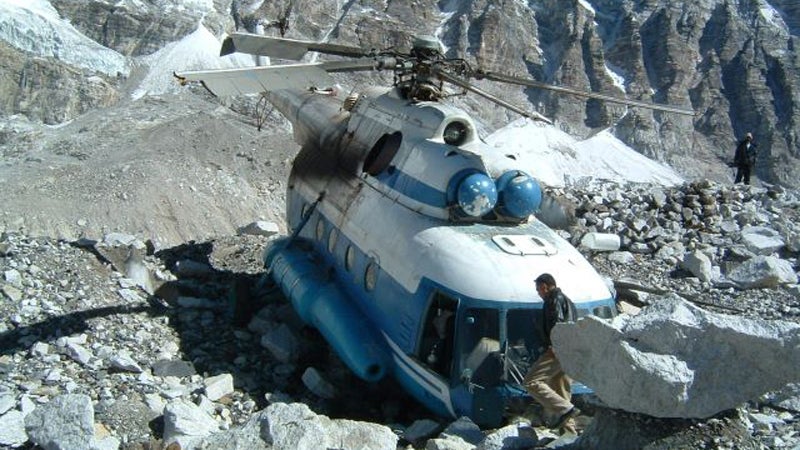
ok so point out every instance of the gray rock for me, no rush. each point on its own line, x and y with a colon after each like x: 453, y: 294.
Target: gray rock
x: 601, y: 241
x: 698, y: 264
x: 763, y: 271
x: 137, y: 271
x: 123, y: 361
x: 621, y: 257
x: 65, y: 422
x: 13, y: 294
x: 155, y: 402
x: 7, y: 402
x: 26, y: 405
x: 40, y: 349
x: 218, y: 386
x: 353, y: 435
x: 317, y: 384
x: 448, y: 443
x: 787, y: 398
x: 282, y: 343
x: 12, y: 429
x: 667, y: 361
x: 13, y: 277
x: 192, y: 268
x: 173, y: 368
x: 79, y: 353
x: 245, y: 437
x: 197, y: 302
x: 122, y: 240
x: 762, y: 240
x: 130, y: 295
x: 729, y: 227
x: 510, y: 437
x: 420, y: 429
x: 765, y: 421
x: 260, y: 228
x: 466, y: 429
x: 295, y: 426
x: 793, y: 242
x: 186, y: 423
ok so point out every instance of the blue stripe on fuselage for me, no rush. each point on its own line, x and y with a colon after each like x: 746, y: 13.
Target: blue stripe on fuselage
x: 413, y: 188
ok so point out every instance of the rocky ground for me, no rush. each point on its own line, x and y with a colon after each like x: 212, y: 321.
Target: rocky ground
x: 78, y: 318
x: 118, y: 261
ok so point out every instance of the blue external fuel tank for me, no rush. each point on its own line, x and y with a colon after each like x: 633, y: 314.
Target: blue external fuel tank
x: 322, y: 304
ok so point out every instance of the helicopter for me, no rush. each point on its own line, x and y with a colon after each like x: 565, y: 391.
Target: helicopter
x: 410, y: 251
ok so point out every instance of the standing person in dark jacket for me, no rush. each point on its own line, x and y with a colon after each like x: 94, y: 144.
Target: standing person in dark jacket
x: 745, y: 158
x: 546, y: 381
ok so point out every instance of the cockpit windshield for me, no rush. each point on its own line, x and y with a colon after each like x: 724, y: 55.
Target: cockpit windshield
x: 499, y: 345
x: 524, y: 340
x: 481, y: 340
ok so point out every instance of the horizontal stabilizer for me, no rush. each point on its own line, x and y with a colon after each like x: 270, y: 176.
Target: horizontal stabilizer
x: 253, y: 80
x: 282, y: 48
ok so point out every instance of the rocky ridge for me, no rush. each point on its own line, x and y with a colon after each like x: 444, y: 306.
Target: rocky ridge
x: 732, y: 63
x: 144, y: 342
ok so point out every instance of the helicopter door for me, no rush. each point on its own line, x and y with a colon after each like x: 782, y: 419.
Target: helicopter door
x: 436, y: 350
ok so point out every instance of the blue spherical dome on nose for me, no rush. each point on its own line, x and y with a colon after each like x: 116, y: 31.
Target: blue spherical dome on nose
x: 520, y: 194
x: 477, y: 194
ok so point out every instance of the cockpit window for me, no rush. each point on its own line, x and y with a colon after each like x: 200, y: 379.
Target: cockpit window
x: 481, y: 346
x: 524, y: 339
x: 382, y: 153
x: 438, y: 333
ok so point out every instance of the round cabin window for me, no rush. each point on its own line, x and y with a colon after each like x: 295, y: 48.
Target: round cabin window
x: 332, y: 240
x: 320, y: 228
x: 371, y: 276
x: 349, y: 258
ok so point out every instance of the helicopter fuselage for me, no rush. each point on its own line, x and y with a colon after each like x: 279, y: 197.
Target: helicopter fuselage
x: 403, y: 259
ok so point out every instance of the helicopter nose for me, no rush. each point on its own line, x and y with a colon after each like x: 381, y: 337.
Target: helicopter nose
x: 477, y: 194
x: 520, y: 194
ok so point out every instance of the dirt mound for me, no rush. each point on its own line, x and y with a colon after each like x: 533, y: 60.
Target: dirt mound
x: 170, y: 169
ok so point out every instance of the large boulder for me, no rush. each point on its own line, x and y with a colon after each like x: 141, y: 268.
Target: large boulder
x: 677, y: 360
x: 65, y: 422
x: 763, y: 272
x: 294, y: 426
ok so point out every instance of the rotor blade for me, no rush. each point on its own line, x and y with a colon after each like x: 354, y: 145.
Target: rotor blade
x: 466, y: 85
x: 387, y: 63
x: 283, y: 48
x: 252, y: 80
x: 577, y: 92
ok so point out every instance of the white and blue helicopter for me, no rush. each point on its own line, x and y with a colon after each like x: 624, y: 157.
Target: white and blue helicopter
x: 410, y: 251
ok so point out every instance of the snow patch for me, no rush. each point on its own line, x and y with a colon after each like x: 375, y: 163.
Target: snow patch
x: 772, y: 16
x: 587, y: 5
x: 616, y: 76
x: 250, y: 8
x: 197, y: 51
x: 35, y: 27
x: 556, y: 159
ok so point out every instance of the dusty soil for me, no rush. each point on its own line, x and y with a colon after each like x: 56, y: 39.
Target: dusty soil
x: 170, y: 169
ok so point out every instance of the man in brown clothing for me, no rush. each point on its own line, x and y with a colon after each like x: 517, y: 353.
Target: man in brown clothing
x: 546, y: 381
